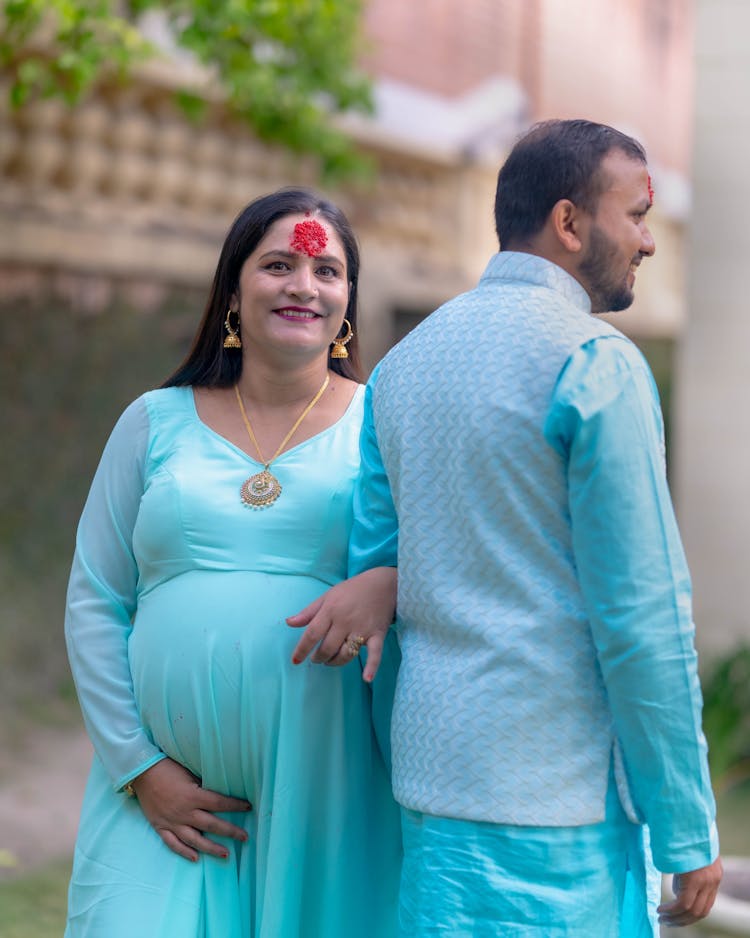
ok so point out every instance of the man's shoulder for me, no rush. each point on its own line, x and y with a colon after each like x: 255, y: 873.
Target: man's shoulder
x: 424, y: 334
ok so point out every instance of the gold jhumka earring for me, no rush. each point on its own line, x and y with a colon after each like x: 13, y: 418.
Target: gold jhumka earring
x: 233, y: 339
x: 339, y: 345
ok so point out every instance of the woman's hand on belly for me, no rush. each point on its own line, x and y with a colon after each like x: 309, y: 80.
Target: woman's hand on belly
x: 182, y: 813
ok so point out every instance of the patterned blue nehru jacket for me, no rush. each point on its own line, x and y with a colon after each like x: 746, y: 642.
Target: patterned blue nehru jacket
x: 512, y: 467
x: 501, y: 712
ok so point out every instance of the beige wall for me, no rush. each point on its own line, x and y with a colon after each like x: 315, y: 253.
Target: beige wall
x: 713, y: 429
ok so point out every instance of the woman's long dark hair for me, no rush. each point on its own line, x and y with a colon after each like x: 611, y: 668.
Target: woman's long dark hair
x: 208, y: 364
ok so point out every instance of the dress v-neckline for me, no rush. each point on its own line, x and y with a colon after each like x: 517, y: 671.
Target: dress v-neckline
x: 359, y: 390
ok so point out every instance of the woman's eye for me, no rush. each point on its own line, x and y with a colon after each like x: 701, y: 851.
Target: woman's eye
x: 277, y: 265
x: 327, y: 271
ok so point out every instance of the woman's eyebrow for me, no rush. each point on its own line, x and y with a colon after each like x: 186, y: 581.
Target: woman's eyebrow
x: 326, y: 258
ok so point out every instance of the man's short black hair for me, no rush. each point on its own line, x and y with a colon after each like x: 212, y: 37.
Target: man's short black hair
x: 556, y: 159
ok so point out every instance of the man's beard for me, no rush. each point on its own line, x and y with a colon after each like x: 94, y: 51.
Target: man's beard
x: 607, y: 295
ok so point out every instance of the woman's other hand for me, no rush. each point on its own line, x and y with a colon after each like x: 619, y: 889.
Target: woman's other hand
x: 182, y: 813
x: 357, y: 612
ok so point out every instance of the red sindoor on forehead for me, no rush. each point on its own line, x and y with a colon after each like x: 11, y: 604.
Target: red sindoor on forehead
x: 309, y: 237
x: 650, y: 191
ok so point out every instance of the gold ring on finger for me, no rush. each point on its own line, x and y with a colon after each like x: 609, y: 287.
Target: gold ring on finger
x: 353, y: 644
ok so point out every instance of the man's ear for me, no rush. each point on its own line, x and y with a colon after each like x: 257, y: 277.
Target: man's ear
x: 568, y: 224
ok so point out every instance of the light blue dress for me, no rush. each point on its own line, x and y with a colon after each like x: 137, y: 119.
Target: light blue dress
x: 178, y: 645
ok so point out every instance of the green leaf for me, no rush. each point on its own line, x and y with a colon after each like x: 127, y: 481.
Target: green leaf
x: 288, y: 67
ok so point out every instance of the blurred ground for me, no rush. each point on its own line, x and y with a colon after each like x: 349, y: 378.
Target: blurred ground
x: 42, y: 778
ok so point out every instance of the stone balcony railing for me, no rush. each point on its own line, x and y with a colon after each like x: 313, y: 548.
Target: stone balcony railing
x: 125, y: 186
x: 122, y: 179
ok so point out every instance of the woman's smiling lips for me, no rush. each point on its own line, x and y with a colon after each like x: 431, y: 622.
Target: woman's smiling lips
x: 296, y: 312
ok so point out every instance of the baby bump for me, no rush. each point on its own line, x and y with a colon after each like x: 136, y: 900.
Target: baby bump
x: 210, y: 655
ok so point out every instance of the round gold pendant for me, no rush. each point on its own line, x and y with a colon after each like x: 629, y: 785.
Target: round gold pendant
x: 260, y: 490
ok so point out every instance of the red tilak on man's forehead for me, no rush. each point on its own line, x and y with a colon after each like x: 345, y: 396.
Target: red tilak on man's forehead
x: 650, y: 191
x: 309, y: 237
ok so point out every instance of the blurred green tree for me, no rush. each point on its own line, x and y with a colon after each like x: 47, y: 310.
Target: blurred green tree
x: 726, y: 718
x: 284, y: 66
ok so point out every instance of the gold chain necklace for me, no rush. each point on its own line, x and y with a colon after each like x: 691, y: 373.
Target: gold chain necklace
x: 263, y: 488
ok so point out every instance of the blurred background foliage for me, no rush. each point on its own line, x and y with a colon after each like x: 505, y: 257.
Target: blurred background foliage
x: 284, y: 66
x: 726, y: 718
x: 64, y: 379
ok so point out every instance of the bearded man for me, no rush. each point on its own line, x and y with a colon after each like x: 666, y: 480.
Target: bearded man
x: 547, y: 715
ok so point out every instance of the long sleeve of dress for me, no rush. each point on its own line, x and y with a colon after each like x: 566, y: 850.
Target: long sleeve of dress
x: 374, y: 537
x: 101, y: 602
x: 605, y: 421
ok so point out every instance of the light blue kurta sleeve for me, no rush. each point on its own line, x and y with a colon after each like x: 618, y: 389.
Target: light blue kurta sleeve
x: 102, y: 599
x: 606, y: 422
x: 374, y: 538
x: 374, y: 543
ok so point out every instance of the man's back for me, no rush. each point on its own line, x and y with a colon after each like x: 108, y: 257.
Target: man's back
x: 490, y: 609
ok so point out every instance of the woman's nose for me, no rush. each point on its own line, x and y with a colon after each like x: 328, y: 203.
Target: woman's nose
x: 302, y: 282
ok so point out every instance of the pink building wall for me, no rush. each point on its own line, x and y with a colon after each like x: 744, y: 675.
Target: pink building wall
x: 624, y: 62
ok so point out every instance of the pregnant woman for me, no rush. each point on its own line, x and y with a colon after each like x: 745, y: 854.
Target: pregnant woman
x: 234, y: 793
